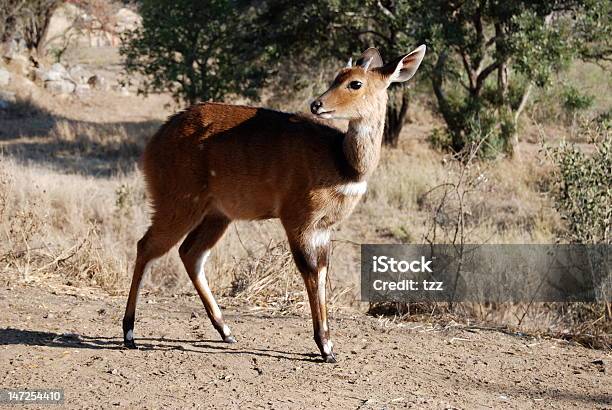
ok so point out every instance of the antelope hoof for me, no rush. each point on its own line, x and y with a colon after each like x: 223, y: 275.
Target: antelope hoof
x: 229, y: 339
x: 330, y: 358
x: 129, y: 343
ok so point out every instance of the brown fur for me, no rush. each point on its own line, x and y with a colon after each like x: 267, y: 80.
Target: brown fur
x: 215, y: 163
x: 243, y: 162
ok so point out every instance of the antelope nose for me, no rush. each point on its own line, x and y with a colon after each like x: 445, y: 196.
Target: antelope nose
x: 314, y: 107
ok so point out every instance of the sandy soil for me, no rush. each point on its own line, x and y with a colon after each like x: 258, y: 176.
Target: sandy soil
x: 70, y: 338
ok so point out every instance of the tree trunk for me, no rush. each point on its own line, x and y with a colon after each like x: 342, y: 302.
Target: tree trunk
x: 397, y: 109
x: 517, y: 114
x: 37, y: 24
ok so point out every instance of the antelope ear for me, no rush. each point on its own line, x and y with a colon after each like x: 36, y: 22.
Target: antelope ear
x: 403, y: 68
x: 370, y: 59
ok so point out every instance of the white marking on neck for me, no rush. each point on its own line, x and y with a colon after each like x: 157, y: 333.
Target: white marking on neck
x: 353, y: 188
x: 362, y: 130
x: 319, y: 238
x: 129, y: 335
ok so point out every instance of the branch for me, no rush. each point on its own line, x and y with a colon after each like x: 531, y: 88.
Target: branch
x: 385, y: 11
x: 523, y: 103
x: 478, y: 26
x: 485, y: 73
x: 467, y: 64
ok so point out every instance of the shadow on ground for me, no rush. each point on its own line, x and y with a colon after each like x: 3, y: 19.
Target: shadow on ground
x: 11, y: 336
x: 30, y: 134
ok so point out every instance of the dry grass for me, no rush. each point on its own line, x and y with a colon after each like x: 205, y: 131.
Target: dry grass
x: 510, y: 204
x: 76, y: 204
x: 72, y: 206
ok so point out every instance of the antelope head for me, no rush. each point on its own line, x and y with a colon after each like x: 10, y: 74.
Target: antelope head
x: 358, y: 90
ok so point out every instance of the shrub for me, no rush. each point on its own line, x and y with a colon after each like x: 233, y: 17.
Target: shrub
x: 575, y: 101
x: 582, y: 190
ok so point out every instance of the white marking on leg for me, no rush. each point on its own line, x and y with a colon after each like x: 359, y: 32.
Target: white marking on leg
x: 201, y: 278
x: 353, y: 188
x: 328, y: 347
x: 129, y: 335
x: 226, y: 331
x: 319, y: 238
x: 321, y: 292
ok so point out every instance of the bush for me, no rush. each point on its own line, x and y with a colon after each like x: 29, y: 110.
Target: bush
x: 575, y: 101
x: 583, y: 195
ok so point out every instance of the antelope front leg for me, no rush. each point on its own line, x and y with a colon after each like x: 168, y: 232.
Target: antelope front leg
x: 315, y: 286
x: 311, y: 259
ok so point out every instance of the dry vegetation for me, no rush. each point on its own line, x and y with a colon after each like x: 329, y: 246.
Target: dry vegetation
x: 72, y: 205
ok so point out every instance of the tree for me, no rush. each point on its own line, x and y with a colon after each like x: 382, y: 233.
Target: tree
x: 592, y: 28
x: 26, y: 19
x: 195, y: 50
x: 489, y: 53
x: 484, y: 56
x: 487, y: 56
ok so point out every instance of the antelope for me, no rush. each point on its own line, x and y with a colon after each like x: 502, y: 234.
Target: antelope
x: 215, y: 163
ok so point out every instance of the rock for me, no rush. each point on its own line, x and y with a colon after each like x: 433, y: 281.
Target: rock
x: 60, y: 86
x: 57, y: 79
x: 58, y: 72
x: 79, y: 74
x: 82, y: 90
x: 52, y: 76
x: 5, y: 77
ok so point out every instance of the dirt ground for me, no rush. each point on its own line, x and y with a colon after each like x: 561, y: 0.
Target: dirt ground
x: 70, y: 338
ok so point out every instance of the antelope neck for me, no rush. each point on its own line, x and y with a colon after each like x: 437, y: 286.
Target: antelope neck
x: 363, y: 141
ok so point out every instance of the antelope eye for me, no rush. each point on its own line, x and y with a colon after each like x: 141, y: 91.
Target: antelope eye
x: 355, y: 85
